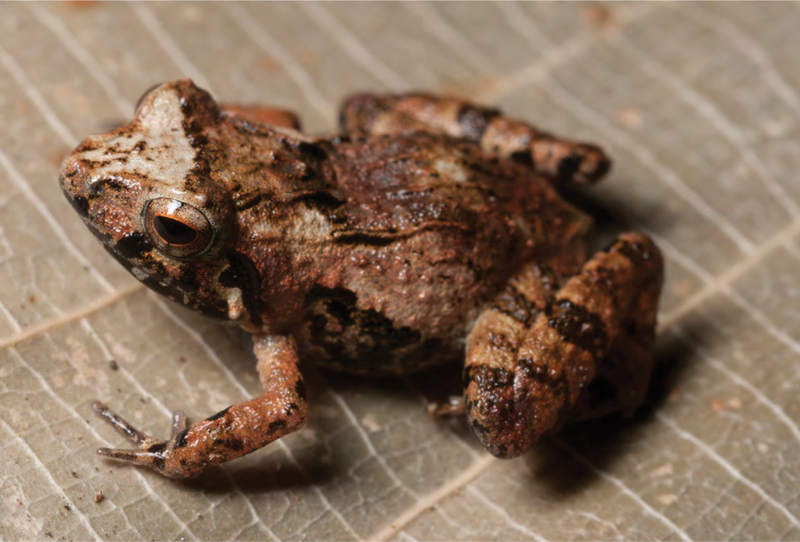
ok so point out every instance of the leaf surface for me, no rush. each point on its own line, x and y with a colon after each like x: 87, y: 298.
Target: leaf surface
x: 699, y: 104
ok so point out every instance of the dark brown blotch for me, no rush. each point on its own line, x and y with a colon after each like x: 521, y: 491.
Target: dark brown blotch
x: 157, y: 449
x: 569, y: 165
x: 312, y: 151
x: 514, y: 304
x: 180, y: 438
x: 489, y: 378
x: 363, y: 337
x: 277, y: 425
x: 114, y: 184
x: 88, y: 145
x: 578, y: 326
x: 524, y: 157
x: 133, y: 246
x: 234, y: 444
x: 474, y: 120
x: 218, y: 415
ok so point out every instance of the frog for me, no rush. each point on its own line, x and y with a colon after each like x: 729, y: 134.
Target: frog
x: 429, y: 229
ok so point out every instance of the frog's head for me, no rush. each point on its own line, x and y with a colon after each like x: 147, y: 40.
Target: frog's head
x: 148, y: 191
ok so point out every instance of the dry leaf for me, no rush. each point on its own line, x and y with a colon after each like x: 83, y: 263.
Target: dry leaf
x: 703, y: 169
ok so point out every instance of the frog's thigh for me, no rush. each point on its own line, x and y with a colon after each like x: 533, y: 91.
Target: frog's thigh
x: 621, y: 381
x: 524, y: 380
x: 623, y: 377
x: 559, y: 159
x: 233, y: 432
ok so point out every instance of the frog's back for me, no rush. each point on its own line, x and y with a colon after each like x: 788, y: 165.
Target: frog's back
x: 430, y: 229
x: 398, y: 186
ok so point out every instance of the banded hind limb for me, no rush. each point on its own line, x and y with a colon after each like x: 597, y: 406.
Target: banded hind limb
x: 267, y: 115
x: 542, y: 356
x: 561, y: 160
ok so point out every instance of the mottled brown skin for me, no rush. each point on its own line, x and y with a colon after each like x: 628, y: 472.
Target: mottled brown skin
x: 540, y: 357
x: 560, y: 160
x: 428, y: 226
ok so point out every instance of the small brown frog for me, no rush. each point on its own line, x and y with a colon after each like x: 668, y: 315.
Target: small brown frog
x: 430, y: 227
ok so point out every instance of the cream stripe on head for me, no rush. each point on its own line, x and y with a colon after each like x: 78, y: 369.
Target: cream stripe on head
x: 154, y: 147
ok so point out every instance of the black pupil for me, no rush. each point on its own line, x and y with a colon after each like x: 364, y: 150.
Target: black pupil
x: 174, y: 231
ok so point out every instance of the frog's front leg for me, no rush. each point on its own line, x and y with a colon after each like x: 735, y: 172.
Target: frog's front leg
x: 534, y: 361
x: 559, y: 159
x: 231, y: 433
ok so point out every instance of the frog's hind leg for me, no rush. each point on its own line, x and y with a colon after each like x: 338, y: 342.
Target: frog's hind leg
x: 231, y: 433
x: 541, y: 357
x: 561, y: 160
x: 263, y: 115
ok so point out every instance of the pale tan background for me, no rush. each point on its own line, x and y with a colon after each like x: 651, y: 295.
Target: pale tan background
x: 698, y: 104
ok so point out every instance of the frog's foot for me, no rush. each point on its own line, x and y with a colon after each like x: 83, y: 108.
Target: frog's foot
x: 151, y: 452
x: 231, y: 433
x: 561, y: 160
x: 536, y: 360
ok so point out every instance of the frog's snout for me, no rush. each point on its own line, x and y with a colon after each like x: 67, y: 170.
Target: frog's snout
x: 74, y: 183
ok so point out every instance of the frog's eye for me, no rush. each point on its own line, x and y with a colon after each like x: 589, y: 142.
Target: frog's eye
x: 176, y: 228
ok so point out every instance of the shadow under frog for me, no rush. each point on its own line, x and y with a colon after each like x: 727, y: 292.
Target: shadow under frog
x: 571, y: 460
